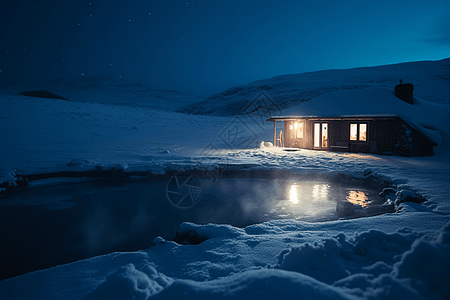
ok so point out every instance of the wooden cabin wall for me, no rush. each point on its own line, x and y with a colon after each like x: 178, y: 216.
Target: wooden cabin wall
x: 384, y: 136
x: 381, y: 135
x: 308, y: 138
x: 338, y: 133
x: 290, y: 138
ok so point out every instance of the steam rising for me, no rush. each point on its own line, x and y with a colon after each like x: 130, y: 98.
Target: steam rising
x: 106, y: 217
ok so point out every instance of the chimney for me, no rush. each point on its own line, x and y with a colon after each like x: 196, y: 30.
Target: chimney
x: 404, y: 91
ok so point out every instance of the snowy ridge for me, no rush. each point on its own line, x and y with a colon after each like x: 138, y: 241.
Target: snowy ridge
x: 106, y: 91
x: 431, y: 80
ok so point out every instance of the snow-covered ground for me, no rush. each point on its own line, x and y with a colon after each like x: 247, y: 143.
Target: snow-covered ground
x: 405, y: 255
x: 107, y: 91
x: 430, y: 78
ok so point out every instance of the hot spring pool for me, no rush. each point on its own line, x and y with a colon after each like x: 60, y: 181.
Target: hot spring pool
x: 55, y: 222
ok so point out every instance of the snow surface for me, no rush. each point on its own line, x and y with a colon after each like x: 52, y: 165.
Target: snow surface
x: 431, y: 80
x: 107, y: 91
x: 405, y: 255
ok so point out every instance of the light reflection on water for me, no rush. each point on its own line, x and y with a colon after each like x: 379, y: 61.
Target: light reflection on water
x: 296, y: 191
x: 358, y: 198
x: 297, y: 199
x: 103, y: 216
x: 293, y: 193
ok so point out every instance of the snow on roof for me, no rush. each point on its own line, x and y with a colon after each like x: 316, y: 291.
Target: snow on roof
x: 280, y: 118
x: 428, y: 118
x: 430, y: 79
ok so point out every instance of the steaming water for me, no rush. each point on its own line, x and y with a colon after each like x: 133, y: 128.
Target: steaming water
x: 47, y: 225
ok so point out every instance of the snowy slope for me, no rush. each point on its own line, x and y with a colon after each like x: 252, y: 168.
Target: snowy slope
x: 404, y: 255
x: 106, y: 91
x: 44, y: 135
x: 431, y: 80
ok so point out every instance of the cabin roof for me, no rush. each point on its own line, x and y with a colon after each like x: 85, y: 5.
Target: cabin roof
x: 338, y: 117
x: 362, y: 104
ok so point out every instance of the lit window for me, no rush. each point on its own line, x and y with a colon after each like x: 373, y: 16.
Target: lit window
x: 291, y: 127
x: 353, y: 132
x: 358, y: 133
x: 362, y: 132
x: 299, y: 130
x: 324, y: 135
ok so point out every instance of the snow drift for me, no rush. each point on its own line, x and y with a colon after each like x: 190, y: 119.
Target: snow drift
x: 369, y: 265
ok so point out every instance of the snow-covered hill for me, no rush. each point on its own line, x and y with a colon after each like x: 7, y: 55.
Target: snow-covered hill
x: 106, y: 91
x: 403, y: 255
x: 431, y: 80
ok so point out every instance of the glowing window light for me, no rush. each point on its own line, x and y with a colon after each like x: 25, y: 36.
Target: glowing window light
x: 362, y: 132
x: 300, y: 130
x: 358, y: 198
x: 291, y: 127
x: 325, y: 135
x: 293, y: 194
x: 353, y: 132
x: 317, y: 135
x: 320, y: 192
x: 324, y: 190
x: 316, y: 192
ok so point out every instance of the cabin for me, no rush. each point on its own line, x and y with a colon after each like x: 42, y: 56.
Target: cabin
x: 388, y: 133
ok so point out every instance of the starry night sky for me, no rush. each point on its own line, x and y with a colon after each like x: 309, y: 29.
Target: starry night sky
x: 204, y: 47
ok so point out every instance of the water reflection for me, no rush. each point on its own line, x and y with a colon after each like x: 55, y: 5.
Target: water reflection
x: 112, y: 217
x: 320, y: 192
x: 314, y: 200
x: 296, y: 191
x: 293, y: 193
x: 300, y: 199
x: 315, y: 193
x: 358, y: 198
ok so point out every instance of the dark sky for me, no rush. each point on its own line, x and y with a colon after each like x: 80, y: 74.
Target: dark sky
x: 204, y: 47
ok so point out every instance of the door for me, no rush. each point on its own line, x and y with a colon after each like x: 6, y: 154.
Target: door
x: 316, y: 135
x: 324, y: 135
x: 320, y: 135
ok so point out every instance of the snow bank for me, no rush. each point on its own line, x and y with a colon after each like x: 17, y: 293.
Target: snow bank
x: 421, y: 272
x: 204, y: 232
x: 8, y: 177
x: 255, y: 284
x: 131, y: 283
x: 369, y: 265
